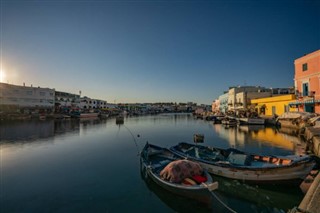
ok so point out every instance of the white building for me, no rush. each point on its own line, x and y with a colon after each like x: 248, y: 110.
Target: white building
x: 89, y: 103
x: 223, y: 102
x: 66, y: 100
x: 239, y: 97
x: 24, y: 97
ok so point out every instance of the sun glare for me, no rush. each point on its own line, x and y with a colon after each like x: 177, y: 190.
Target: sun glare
x: 2, y: 75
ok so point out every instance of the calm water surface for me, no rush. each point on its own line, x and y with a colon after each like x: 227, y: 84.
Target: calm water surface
x: 93, y: 165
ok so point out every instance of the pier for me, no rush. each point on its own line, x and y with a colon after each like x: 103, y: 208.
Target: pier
x: 310, y: 202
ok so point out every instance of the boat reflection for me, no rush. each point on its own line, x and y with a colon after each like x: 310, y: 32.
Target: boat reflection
x: 176, y: 202
x: 267, y: 199
x: 280, y: 198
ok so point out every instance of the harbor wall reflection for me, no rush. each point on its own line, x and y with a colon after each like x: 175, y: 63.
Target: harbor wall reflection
x: 28, y: 131
x: 33, y: 130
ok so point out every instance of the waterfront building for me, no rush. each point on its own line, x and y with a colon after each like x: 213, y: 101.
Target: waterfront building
x: 270, y: 106
x: 24, y: 98
x: 64, y: 101
x: 215, y: 107
x: 239, y: 97
x: 101, y: 104
x: 282, y: 91
x: 223, y: 100
x: 89, y: 103
x: 307, y: 82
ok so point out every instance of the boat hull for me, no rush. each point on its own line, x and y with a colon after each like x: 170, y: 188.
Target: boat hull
x: 290, y: 175
x: 252, y: 121
x: 256, y: 170
x: 202, y: 194
x: 198, y: 192
x: 89, y: 115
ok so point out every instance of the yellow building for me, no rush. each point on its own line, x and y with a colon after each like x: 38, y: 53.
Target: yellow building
x: 274, y: 105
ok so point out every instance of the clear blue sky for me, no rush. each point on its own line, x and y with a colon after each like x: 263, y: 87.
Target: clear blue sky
x: 150, y: 51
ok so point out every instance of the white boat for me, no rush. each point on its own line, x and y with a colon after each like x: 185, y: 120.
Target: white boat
x: 253, y: 121
x: 89, y: 115
x: 235, y: 164
x: 229, y: 121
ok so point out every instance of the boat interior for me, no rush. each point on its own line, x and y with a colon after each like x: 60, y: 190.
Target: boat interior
x: 231, y: 156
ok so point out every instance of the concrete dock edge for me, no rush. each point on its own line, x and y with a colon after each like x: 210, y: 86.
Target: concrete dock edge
x: 311, y: 201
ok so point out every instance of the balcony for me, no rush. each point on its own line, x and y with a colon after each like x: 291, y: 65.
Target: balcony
x: 301, y: 95
x: 238, y: 104
x: 311, y: 93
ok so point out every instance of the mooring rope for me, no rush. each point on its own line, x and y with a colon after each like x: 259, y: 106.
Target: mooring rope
x: 134, y: 139
x: 225, y: 205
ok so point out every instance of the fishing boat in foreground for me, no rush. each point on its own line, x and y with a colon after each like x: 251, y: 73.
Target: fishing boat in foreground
x: 177, y: 175
x: 235, y: 164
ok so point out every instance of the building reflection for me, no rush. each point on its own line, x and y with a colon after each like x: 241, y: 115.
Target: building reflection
x: 28, y: 131
x: 238, y: 136
x: 272, y: 136
x: 230, y: 134
x: 65, y: 126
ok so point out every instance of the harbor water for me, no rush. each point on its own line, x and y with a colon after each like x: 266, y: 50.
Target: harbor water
x: 93, y: 165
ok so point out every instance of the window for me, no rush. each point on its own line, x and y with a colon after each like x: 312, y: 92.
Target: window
x: 304, y: 67
x: 42, y: 93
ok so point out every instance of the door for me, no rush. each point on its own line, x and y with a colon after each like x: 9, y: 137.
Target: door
x: 309, y: 108
x: 305, y: 89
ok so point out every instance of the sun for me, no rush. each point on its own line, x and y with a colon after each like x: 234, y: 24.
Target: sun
x: 2, y: 75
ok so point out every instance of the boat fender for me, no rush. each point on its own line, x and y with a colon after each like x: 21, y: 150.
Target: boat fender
x: 199, y: 179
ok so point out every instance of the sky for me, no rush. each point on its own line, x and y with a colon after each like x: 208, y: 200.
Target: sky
x: 155, y: 51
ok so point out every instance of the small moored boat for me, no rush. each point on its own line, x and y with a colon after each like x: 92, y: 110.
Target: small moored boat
x: 252, y: 121
x: 235, y: 164
x: 229, y: 121
x: 156, y: 163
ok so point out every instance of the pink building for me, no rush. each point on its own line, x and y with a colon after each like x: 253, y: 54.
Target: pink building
x: 307, y: 82
x: 215, y: 106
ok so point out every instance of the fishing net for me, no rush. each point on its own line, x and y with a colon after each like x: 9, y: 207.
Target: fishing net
x: 178, y: 170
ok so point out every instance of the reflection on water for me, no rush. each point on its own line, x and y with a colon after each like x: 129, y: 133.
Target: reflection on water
x: 266, y: 199
x: 26, y: 130
x: 278, y: 197
x: 91, y: 165
x: 176, y: 203
x: 240, y: 136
